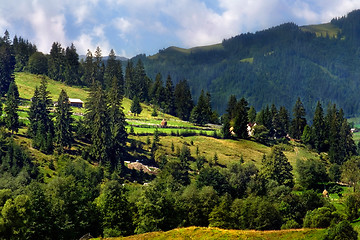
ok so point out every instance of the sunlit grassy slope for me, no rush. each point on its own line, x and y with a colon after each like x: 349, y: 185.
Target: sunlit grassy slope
x: 27, y: 83
x: 228, y: 151
x: 321, y: 30
x: 215, y: 233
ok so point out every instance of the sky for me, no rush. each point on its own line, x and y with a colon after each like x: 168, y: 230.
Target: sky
x: 132, y: 27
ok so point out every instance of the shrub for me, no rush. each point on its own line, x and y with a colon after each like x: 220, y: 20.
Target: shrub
x: 320, y: 218
x: 341, y: 231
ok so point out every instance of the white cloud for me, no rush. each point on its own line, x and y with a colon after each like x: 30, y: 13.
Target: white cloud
x: 123, y: 24
x: 141, y: 24
x: 48, y: 28
x: 92, y: 40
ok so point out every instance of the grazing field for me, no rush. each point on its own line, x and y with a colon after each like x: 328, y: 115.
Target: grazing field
x: 228, y: 151
x: 201, y: 233
x: 322, y: 30
x: 27, y: 83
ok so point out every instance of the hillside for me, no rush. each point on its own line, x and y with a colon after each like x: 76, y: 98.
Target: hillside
x: 277, y: 65
x: 215, y: 233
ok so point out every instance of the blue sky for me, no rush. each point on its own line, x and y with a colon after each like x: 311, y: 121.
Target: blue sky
x: 132, y: 27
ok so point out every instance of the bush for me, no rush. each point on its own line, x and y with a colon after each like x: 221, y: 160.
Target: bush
x: 320, y: 218
x: 290, y: 224
x: 341, y: 231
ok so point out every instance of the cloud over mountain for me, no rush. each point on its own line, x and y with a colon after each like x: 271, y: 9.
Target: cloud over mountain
x: 144, y: 26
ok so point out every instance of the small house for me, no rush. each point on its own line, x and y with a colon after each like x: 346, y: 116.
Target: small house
x: 74, y: 102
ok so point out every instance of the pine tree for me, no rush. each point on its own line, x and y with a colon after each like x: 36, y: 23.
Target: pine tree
x: 56, y: 63
x: 231, y: 106
x: 99, y: 67
x: 157, y: 93
x: 41, y: 127
x: 183, y: 100
x: 7, y: 66
x: 169, y: 106
x: 268, y: 118
x: 225, y: 130
x: 333, y: 123
x: 306, y: 137
x: 347, y: 144
x: 241, y: 119
x: 201, y: 113
x: 34, y: 113
x: 11, y: 108
x: 88, y: 66
x: 142, y: 82
x: 284, y: 121
x: 252, y: 115
x: 277, y: 167
x: 98, y: 120
x: 63, y: 120
x: 130, y: 90
x: 117, y: 123
x: 71, y: 74
x: 299, y: 122
x: 114, y: 69
x: 135, y: 106
x: 319, y: 129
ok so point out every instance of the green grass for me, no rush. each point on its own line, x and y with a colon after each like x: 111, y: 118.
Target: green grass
x: 321, y: 30
x: 228, y: 151
x: 27, y: 82
x: 203, y: 233
x: 247, y: 60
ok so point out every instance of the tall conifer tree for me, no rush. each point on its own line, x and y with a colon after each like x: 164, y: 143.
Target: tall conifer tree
x: 7, y: 66
x: 299, y: 122
x: 169, y: 106
x: 71, y: 74
x: 56, y: 63
x: 201, y: 113
x: 231, y: 106
x: 183, y: 100
x: 284, y: 120
x: 141, y: 81
x: 117, y: 123
x: 319, y: 129
x: 63, y: 129
x: 88, y: 66
x: 241, y: 119
x: 129, y: 80
x: 11, y: 108
x: 99, y: 67
x: 98, y: 121
x: 41, y: 127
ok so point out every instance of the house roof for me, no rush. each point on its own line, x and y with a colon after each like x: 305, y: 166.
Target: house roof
x: 75, y: 100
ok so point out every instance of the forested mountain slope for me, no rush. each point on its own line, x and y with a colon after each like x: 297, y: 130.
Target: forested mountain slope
x: 277, y: 65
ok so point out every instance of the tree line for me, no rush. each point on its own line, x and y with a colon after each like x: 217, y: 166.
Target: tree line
x: 328, y: 132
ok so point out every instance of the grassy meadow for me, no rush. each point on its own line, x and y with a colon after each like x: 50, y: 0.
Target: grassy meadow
x: 228, y: 151
x: 321, y: 30
x: 202, y: 233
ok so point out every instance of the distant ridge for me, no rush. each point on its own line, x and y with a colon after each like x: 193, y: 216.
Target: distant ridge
x: 105, y: 58
x: 277, y: 65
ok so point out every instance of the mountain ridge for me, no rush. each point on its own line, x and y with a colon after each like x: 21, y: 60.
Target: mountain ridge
x: 276, y: 65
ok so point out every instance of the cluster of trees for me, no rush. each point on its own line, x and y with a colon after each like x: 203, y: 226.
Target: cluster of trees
x: 176, y: 100
x: 103, y: 126
x: 64, y: 65
x: 84, y: 199
x: 329, y: 132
